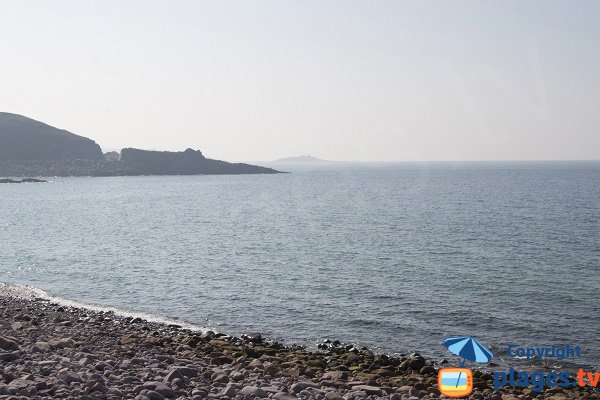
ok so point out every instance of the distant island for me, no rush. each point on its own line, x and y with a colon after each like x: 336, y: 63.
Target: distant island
x: 301, y: 159
x: 32, y: 148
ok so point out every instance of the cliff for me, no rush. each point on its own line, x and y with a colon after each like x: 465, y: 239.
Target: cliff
x: 25, y: 139
x: 188, y: 162
x: 32, y: 148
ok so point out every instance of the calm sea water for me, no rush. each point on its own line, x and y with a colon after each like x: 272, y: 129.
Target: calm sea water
x: 392, y: 256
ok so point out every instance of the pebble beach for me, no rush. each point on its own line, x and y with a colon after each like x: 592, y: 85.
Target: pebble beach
x: 51, y: 351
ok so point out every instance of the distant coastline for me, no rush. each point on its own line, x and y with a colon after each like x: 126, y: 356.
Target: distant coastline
x: 31, y: 148
x: 26, y: 180
x: 301, y: 159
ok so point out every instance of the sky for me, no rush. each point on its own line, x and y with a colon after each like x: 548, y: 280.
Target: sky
x: 340, y: 80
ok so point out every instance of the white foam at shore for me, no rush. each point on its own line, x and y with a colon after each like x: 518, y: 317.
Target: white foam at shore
x: 29, y: 292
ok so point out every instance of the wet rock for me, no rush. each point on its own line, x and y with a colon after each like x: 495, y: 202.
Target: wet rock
x: 253, y: 337
x: 417, y: 362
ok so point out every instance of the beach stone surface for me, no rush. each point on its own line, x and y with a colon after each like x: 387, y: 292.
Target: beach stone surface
x: 49, y: 351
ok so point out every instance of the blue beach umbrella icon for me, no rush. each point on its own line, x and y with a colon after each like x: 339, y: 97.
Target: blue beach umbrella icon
x: 469, y: 349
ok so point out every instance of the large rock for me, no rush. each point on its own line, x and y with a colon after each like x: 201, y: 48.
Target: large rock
x: 230, y: 390
x: 161, y: 388
x: 253, y: 391
x: 69, y: 376
x: 371, y: 390
x: 21, y: 383
x: 8, y: 344
x: 284, y: 396
x: 9, y: 356
x: 174, y: 374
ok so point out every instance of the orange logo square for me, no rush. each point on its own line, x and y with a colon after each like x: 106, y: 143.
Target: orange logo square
x: 455, y: 382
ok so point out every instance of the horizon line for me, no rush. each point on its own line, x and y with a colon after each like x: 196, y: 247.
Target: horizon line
x: 324, y: 161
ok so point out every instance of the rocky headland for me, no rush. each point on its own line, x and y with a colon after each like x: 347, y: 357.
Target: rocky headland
x: 50, y: 351
x: 23, y: 138
x: 32, y: 148
x: 26, y: 180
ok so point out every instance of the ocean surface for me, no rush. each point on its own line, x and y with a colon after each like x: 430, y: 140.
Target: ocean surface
x: 391, y: 256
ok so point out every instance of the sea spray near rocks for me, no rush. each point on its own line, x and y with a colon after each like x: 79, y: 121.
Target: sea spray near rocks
x: 28, y: 292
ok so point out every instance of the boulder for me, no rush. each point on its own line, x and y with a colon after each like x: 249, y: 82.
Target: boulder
x: 69, y: 376
x: 283, y: 396
x: 161, y: 388
x: 253, y: 391
x: 8, y: 344
x: 370, y: 390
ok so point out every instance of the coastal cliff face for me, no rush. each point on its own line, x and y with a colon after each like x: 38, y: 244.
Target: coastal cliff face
x: 188, y: 162
x: 32, y: 148
x: 25, y: 139
x: 163, y: 162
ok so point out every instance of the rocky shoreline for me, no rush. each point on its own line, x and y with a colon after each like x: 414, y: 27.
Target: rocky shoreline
x: 26, y: 180
x: 50, y: 351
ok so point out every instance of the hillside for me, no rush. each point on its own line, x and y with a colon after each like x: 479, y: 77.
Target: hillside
x: 25, y: 139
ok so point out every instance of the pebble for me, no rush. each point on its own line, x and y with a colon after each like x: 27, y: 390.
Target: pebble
x: 49, y: 351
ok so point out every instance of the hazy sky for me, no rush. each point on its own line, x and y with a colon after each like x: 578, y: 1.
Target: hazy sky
x: 343, y: 80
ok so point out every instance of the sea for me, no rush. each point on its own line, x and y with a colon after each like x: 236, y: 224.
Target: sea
x: 392, y: 256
